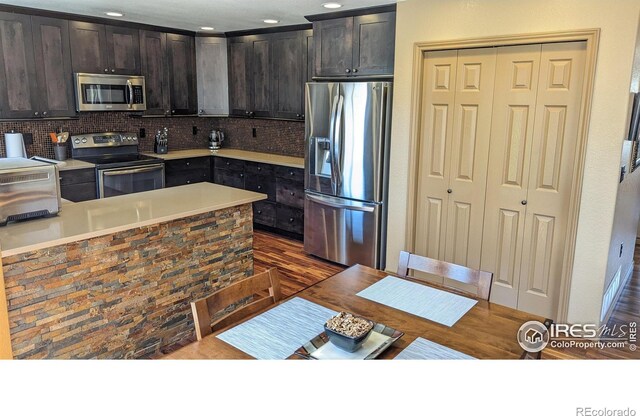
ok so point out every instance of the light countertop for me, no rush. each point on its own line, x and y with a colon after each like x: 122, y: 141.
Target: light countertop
x: 100, y: 217
x: 288, y: 161
x: 73, y: 164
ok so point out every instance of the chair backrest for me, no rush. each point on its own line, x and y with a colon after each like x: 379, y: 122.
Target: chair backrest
x: 256, y: 286
x: 481, y: 280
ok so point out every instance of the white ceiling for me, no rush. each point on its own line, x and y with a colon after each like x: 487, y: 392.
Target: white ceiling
x: 223, y: 15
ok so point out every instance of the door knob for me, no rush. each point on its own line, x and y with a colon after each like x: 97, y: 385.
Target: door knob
x: 523, y: 202
x: 449, y: 190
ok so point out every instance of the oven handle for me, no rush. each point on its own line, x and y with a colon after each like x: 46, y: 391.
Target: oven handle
x: 118, y: 172
x: 130, y: 88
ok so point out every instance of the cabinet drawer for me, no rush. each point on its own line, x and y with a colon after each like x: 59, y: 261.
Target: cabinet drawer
x: 258, y: 168
x: 230, y: 164
x: 228, y: 178
x: 289, y: 193
x: 186, y: 177
x: 72, y: 177
x: 198, y: 163
x: 264, y: 213
x: 262, y: 184
x: 293, y: 174
x: 79, y: 192
x: 290, y: 219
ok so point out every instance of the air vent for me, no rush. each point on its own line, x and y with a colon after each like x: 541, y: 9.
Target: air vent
x: 33, y: 177
x: 28, y: 215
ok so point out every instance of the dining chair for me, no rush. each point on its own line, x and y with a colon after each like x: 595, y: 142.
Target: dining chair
x: 478, y: 278
x: 253, y: 289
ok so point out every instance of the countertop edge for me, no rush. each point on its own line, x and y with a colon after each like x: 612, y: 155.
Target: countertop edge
x: 120, y: 228
x: 249, y: 156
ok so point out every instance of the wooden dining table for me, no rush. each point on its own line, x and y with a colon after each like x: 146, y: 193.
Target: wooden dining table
x: 486, y: 331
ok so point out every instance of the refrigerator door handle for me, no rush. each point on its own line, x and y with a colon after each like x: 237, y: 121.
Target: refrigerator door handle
x: 332, y: 143
x: 331, y: 202
x: 338, y: 141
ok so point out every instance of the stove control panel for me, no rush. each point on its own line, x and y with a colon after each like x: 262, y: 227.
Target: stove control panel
x: 84, y: 141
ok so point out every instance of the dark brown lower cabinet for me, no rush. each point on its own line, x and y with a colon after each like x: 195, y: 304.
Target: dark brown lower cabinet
x: 78, y: 185
x: 264, y: 213
x: 187, y: 171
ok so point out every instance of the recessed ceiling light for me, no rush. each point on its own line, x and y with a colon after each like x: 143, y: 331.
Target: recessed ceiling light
x: 332, y: 5
x: 271, y: 21
x: 114, y: 14
x: 206, y: 28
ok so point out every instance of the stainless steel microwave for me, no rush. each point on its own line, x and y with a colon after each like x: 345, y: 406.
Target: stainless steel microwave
x: 103, y: 92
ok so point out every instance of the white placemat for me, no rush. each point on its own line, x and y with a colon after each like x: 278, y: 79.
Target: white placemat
x: 426, y: 302
x: 280, y: 331
x: 423, y: 349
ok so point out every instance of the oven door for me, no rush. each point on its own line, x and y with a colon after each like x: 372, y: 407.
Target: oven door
x: 129, y: 180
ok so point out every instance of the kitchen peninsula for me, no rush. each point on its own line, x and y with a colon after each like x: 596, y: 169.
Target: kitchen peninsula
x: 113, y: 278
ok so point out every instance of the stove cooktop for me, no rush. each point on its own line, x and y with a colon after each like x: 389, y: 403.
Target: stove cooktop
x: 115, y: 161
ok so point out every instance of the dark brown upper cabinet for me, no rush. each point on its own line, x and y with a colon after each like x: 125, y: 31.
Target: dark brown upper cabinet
x: 107, y: 49
x: 267, y: 73
x: 35, y: 67
x: 289, y: 52
x: 52, y: 52
x: 182, y: 76
x: 18, y: 87
x: 155, y: 68
x: 355, y: 46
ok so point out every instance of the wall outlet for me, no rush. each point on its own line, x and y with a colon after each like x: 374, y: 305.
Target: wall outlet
x: 194, y: 130
x: 142, y: 134
x: 254, y: 132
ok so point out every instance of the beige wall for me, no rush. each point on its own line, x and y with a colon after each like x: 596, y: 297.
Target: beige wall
x: 437, y: 20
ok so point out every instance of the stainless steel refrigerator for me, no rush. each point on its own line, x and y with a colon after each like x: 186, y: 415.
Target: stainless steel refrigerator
x: 346, y: 162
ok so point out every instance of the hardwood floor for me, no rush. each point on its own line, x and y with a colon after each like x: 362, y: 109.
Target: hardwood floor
x: 298, y: 269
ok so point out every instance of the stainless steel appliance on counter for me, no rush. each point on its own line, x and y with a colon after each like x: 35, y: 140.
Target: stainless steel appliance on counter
x: 28, y: 189
x: 104, y: 92
x: 120, y: 168
x: 346, y: 162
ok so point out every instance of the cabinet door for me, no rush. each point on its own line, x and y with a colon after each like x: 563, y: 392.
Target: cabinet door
x: 374, y: 44
x: 240, y: 52
x: 333, y: 41
x: 261, y: 88
x: 123, y: 50
x: 213, y: 76
x: 155, y: 68
x: 52, y: 52
x: 309, y: 59
x: 88, y: 48
x: 289, y: 72
x: 182, y: 74
x: 18, y: 89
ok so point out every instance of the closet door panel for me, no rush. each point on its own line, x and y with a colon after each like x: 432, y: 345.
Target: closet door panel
x: 513, y: 117
x: 469, y: 155
x: 555, y: 136
x: 436, y: 130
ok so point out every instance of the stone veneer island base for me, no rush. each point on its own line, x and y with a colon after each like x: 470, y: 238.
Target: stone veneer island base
x: 125, y: 294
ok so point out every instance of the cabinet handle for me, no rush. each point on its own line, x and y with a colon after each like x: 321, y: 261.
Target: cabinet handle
x: 36, y: 114
x: 291, y: 173
x: 355, y: 70
x: 298, y: 115
x: 259, y: 168
x: 348, y: 71
x: 242, y: 175
x: 246, y: 113
x: 188, y: 182
x: 449, y: 190
x: 259, y: 186
x: 259, y: 211
x: 523, y: 202
x: 173, y: 111
x: 291, y: 220
x: 113, y: 71
x: 292, y: 193
x: 228, y: 163
x: 201, y: 111
x: 106, y: 70
x: 251, y: 113
x: 44, y: 114
x: 188, y: 163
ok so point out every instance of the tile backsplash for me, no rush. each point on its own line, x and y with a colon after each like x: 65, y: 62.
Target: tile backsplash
x: 272, y: 136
